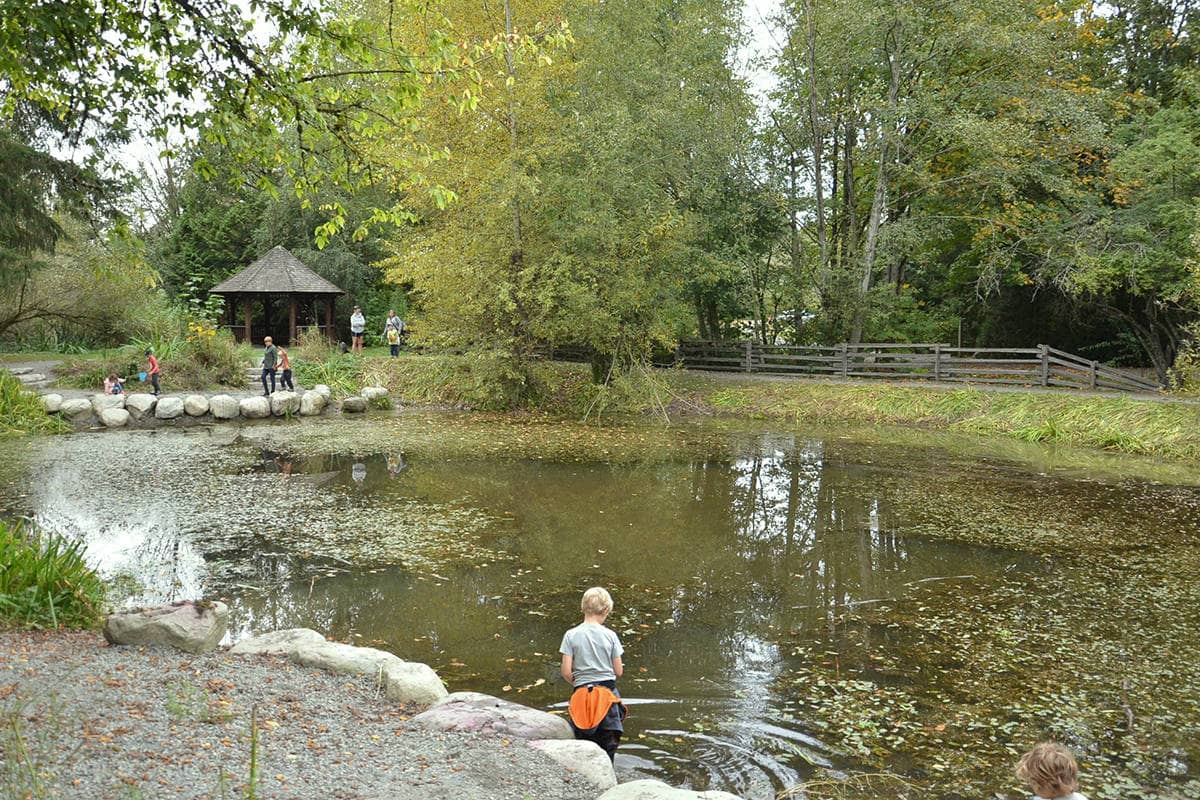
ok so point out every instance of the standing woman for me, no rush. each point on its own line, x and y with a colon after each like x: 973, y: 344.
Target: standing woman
x: 393, y: 329
x: 358, y: 324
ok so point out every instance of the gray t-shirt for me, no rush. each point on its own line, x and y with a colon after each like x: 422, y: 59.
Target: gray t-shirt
x: 592, y: 649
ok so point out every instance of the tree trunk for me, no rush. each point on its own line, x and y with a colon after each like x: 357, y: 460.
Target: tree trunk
x: 510, y: 70
x: 879, y: 201
x: 817, y: 146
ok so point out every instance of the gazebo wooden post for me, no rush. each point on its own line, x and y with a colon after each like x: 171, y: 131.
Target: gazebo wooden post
x: 291, y: 319
x: 329, y: 317
x: 246, y: 320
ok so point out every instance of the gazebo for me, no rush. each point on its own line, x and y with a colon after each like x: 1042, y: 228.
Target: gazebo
x: 277, y: 282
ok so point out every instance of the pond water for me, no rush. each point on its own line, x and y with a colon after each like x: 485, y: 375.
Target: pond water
x: 794, y: 606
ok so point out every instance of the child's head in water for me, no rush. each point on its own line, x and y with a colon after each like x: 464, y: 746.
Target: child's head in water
x: 596, y: 602
x: 1050, y: 770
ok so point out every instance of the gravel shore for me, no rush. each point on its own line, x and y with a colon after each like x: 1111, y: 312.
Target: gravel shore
x: 81, y: 719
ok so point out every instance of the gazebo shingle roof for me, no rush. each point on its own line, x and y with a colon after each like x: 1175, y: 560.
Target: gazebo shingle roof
x: 278, y: 272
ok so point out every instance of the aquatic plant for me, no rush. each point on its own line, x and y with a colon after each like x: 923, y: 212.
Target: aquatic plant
x: 21, y: 411
x: 45, y: 581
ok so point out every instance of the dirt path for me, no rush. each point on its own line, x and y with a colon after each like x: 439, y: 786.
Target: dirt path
x: 80, y: 719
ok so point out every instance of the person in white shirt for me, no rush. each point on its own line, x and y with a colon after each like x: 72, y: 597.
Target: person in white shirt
x: 1051, y: 772
x: 358, y: 326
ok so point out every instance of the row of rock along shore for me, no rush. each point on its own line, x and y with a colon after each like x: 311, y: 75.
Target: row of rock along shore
x: 120, y: 410
x: 586, y: 771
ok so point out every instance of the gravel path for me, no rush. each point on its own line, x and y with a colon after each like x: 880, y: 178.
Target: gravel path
x: 122, y: 722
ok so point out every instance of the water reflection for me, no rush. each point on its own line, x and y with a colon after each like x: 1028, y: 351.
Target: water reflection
x: 711, y: 563
x: 476, y: 567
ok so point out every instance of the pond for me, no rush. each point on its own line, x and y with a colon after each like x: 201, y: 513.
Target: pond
x: 875, y: 609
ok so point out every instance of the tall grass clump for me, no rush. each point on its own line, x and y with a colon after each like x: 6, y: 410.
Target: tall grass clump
x: 21, y: 411
x: 484, y: 380
x: 45, y: 581
x: 317, y: 359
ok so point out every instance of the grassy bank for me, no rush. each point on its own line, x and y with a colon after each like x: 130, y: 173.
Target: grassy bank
x: 1164, y: 428
x: 21, y: 411
x: 45, y: 582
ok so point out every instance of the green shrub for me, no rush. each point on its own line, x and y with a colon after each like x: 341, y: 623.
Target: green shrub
x: 199, y: 357
x: 44, y: 580
x: 21, y: 411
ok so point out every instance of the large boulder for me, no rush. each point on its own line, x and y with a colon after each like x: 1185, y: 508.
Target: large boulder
x: 195, y: 405
x: 657, y: 790
x: 168, y: 408
x: 140, y: 405
x: 284, y: 642
x: 284, y: 404
x: 114, y: 417
x: 482, y: 713
x: 52, y: 403
x: 103, y: 401
x: 312, y: 403
x: 403, y: 681
x: 412, y: 682
x: 222, y: 406
x: 30, y: 377
x: 354, y: 405
x: 187, y: 626
x: 586, y: 758
x: 77, y: 408
x: 255, y: 407
x: 370, y: 393
x: 324, y: 391
x: 344, y: 659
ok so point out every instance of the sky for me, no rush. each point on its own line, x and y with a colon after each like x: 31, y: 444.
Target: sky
x: 762, y: 40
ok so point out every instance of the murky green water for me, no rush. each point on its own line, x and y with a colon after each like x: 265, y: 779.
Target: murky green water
x: 792, y: 605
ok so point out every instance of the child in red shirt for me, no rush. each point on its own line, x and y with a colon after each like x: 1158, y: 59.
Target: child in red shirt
x: 152, y: 370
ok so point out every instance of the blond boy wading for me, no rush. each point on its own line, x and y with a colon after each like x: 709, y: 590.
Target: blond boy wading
x: 591, y: 662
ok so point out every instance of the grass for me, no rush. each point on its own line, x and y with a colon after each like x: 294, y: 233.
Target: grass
x: 45, y: 581
x: 1156, y: 427
x: 1124, y: 424
x: 21, y: 411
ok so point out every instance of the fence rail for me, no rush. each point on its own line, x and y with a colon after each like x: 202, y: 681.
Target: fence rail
x: 1013, y: 366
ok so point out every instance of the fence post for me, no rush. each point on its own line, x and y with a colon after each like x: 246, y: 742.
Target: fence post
x: 845, y: 360
x: 1092, y: 375
x: 1045, y: 365
x: 937, y: 362
x: 748, y: 356
x: 679, y: 353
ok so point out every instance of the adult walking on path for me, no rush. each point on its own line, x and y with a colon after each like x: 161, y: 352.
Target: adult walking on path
x: 393, y: 329
x: 269, y: 359
x: 358, y: 325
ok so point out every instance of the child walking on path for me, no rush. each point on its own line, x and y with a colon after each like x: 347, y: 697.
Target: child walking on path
x: 152, y: 370
x: 269, y: 359
x: 591, y: 662
x: 285, y: 364
x: 1051, y: 772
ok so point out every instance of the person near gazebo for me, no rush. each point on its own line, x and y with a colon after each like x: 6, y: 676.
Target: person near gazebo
x: 358, y: 326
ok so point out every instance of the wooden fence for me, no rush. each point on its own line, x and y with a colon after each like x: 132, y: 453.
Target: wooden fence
x: 1020, y: 366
